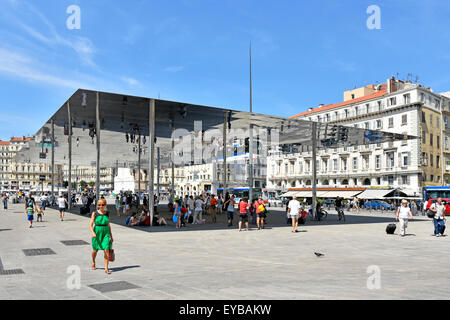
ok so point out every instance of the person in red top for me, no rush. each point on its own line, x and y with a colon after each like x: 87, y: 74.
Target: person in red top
x: 212, y: 208
x: 243, y: 213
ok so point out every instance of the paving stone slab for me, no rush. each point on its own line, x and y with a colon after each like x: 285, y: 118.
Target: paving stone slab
x: 12, y: 271
x: 74, y: 242
x: 38, y: 252
x: 113, y: 286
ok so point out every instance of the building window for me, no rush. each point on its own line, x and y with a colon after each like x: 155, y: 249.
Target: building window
x: 367, y: 125
x: 437, y: 103
x: 446, y: 143
x: 390, y: 180
x: 405, y: 160
x: 404, y: 180
x: 424, y: 137
x: 422, y: 97
x: 425, y: 159
x: 438, y: 142
x: 431, y: 139
x: 392, y: 101
x: 404, y: 119
x: 389, y: 160
x: 344, y: 164
x: 432, y: 178
x: 377, y: 162
x: 431, y: 160
x: 407, y: 98
x: 379, y: 124
x: 423, y: 117
x: 391, y: 123
x: 335, y: 165
x: 431, y: 120
x: 438, y: 160
x: 355, y: 164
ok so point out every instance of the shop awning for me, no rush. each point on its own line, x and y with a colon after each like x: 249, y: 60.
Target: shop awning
x: 342, y: 194
x: 289, y: 194
x: 375, y: 193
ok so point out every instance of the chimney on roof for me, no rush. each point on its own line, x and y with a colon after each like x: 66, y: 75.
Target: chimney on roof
x: 391, y: 85
x: 321, y: 105
x: 310, y: 109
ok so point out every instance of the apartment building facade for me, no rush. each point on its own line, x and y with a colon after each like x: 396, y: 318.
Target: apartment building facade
x: 394, y: 106
x: 15, y: 176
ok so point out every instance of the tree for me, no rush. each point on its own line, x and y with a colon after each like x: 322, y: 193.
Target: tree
x: 74, y: 185
x: 91, y: 184
x: 83, y: 184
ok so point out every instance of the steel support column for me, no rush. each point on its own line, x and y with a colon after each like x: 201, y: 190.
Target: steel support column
x: 314, y: 173
x: 151, y: 160
x: 69, y: 186
x: 53, y: 161
x: 224, y: 154
x: 97, y: 133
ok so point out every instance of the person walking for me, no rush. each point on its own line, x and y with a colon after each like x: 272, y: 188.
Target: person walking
x: 439, y: 217
x: 62, y: 202
x: 177, y: 213
x: 118, y: 206
x: 356, y: 204
x: 403, y: 213
x: 229, y: 205
x: 44, y: 200
x: 5, y: 202
x: 414, y: 208
x: 198, y: 210
x: 102, y: 238
x: 294, y: 211
x: 243, y: 213
x: 219, y: 204
x: 30, y: 213
x: 212, y: 208
x: 40, y: 212
x: 260, y: 210
x: 190, y: 205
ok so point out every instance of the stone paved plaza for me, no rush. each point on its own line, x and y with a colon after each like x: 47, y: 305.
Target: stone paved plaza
x: 216, y: 262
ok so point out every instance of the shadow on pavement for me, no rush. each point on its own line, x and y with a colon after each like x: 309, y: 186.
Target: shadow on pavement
x: 117, y: 269
x: 276, y: 219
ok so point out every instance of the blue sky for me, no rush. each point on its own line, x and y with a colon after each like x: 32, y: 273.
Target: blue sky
x: 304, y: 52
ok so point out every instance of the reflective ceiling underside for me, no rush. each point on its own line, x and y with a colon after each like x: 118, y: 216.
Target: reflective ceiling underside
x: 125, y: 117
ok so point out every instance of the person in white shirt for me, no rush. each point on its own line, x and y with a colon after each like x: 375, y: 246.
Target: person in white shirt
x: 44, y: 199
x: 403, y: 213
x: 190, y: 204
x: 62, y: 206
x: 294, y: 211
x: 198, y: 210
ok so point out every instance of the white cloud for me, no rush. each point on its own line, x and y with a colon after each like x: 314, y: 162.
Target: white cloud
x: 21, y: 66
x: 131, y: 82
x: 81, y: 45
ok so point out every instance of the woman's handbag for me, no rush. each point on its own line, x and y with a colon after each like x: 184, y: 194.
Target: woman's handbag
x: 175, y: 219
x: 112, y: 255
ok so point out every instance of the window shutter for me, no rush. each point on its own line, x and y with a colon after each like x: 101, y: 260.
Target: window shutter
x: 400, y: 159
x: 409, y: 160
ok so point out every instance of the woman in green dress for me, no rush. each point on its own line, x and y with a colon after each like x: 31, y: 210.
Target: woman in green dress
x: 101, y: 234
